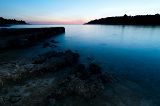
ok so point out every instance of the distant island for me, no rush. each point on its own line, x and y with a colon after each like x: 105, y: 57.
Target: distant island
x: 129, y: 20
x: 8, y: 22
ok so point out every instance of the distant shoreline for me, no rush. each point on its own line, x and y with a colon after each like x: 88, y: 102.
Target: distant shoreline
x: 146, y: 20
x: 9, y: 22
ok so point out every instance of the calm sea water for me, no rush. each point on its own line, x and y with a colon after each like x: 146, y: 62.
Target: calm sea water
x: 131, y: 52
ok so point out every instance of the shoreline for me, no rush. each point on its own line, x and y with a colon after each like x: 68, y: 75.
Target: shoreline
x: 20, y: 77
x: 145, y: 20
x: 57, y: 75
x: 31, y: 81
x: 26, y: 37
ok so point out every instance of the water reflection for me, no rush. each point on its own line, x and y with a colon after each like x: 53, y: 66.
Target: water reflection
x: 129, y: 51
x: 132, y: 51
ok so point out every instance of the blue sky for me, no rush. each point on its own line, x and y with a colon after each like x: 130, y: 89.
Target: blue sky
x: 74, y: 11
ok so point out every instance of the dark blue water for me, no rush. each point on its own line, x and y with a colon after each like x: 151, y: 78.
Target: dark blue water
x: 130, y: 52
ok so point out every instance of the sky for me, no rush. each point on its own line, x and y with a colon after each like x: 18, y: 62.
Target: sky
x: 74, y: 11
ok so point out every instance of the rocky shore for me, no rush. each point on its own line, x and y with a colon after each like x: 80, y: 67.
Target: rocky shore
x: 26, y: 37
x: 45, y: 75
x: 50, y: 78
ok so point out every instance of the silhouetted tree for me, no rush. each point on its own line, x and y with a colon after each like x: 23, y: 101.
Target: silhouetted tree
x: 4, y: 22
x: 129, y: 20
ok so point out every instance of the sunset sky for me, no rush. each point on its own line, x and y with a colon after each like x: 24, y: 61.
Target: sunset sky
x: 73, y: 11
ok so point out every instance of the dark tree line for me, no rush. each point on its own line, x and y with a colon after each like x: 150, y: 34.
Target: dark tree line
x: 129, y: 20
x: 4, y: 22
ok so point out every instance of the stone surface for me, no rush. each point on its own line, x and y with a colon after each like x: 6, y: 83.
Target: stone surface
x: 26, y: 37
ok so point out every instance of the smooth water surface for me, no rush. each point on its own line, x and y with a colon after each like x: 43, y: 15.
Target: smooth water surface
x: 131, y: 52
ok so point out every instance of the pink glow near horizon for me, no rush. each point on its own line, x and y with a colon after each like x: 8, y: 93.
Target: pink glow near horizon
x: 58, y: 22
x: 73, y: 11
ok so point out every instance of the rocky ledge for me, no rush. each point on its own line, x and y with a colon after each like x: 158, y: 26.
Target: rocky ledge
x: 50, y: 78
x: 26, y: 37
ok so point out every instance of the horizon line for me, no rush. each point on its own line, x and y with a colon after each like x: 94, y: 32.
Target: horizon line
x: 71, y: 22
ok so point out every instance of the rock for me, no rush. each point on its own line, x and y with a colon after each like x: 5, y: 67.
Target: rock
x: 14, y: 99
x: 26, y: 37
x: 107, y: 78
x: 80, y: 71
x: 71, y: 58
x: 53, y: 41
x: 75, y: 85
x: 54, y: 45
x: 94, y: 69
x: 1, y: 101
x: 40, y: 59
x: 46, y: 44
x: 47, y: 63
x: 90, y: 59
x: 19, y: 43
x: 80, y: 81
x: 52, y: 102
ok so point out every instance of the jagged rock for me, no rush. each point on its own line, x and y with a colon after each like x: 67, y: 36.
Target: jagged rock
x: 78, y: 87
x: 49, y: 62
x: 79, y: 80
